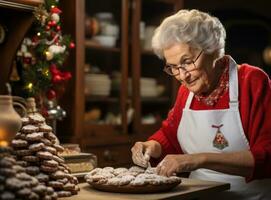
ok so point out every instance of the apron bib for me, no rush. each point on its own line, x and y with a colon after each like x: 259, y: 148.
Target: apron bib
x: 220, y: 131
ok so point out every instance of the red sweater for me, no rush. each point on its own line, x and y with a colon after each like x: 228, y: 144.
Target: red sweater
x: 255, y: 111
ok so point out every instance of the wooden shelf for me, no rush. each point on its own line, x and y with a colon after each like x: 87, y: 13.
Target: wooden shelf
x: 90, y: 44
x: 155, y: 100
x: 21, y: 4
x: 102, y: 99
x: 167, y: 1
x: 90, y: 98
x: 147, y: 52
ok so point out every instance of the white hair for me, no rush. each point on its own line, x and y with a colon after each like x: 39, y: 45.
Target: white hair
x: 193, y: 27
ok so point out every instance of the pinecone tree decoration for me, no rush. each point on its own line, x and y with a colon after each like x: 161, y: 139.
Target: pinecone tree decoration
x: 15, y: 183
x: 37, y: 148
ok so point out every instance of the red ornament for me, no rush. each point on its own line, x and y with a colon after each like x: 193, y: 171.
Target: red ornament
x: 53, y: 69
x: 26, y: 60
x: 35, y: 39
x: 53, y: 23
x: 72, y: 45
x: 51, y: 94
x: 47, y: 28
x: 56, y: 79
x: 44, y: 112
x: 57, y: 75
x: 55, y: 10
x: 58, y: 28
x: 66, y: 76
x: 49, y: 23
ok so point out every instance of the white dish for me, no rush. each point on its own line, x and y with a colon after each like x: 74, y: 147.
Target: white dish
x: 106, y: 40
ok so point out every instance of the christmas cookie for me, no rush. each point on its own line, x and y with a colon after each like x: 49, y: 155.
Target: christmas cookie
x: 34, y: 136
x: 32, y: 159
x: 63, y: 194
x: 52, y: 150
x: 32, y: 170
x: 23, y: 152
x: 50, y: 163
x: 45, y: 168
x: 45, y: 128
x: 19, y: 143
x: 45, y: 155
x: 29, y: 129
x: 36, y: 118
x: 25, y: 121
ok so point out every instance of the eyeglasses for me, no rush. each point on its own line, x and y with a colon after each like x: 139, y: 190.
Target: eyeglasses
x: 187, y: 66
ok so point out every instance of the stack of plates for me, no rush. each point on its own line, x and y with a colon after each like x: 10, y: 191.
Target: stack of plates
x: 148, y: 87
x: 97, y: 84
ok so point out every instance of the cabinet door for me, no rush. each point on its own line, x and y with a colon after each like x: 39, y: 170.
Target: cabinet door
x: 106, y: 64
x: 153, y: 91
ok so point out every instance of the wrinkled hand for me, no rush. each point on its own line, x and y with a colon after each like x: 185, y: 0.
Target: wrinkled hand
x: 172, y: 164
x: 143, y: 151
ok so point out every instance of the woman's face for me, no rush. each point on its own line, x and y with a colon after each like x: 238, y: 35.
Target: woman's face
x: 199, y: 79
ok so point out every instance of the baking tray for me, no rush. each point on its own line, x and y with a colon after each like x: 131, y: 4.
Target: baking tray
x: 134, y: 189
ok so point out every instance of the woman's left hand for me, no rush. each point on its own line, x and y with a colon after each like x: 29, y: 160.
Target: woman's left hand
x: 179, y: 163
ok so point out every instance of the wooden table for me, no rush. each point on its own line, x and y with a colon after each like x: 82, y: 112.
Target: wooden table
x: 188, y: 189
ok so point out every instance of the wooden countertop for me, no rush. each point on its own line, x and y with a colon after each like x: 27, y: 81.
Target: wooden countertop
x: 188, y: 189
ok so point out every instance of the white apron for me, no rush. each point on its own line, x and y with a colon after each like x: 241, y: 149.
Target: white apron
x: 196, y: 133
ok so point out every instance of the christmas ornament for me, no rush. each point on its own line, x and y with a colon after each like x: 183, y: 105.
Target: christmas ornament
x: 41, y: 15
x: 49, y: 55
x: 51, y: 94
x: 55, y: 17
x: 54, y: 49
x: 58, y: 28
x: 53, y: 23
x: 219, y: 141
x: 72, y: 45
x: 55, y: 10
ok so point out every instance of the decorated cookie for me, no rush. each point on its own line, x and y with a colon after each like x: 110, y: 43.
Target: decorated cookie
x: 19, y: 143
x: 45, y: 128
x: 29, y: 129
x: 36, y: 147
x: 36, y: 118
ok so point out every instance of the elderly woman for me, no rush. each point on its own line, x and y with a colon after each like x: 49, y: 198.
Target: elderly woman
x: 219, y: 128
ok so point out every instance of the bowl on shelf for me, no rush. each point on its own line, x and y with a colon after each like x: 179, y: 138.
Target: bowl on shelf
x: 106, y: 40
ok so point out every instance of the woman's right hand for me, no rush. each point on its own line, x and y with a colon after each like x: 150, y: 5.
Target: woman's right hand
x: 143, y: 151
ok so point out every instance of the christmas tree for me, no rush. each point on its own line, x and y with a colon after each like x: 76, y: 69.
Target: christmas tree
x: 43, y: 53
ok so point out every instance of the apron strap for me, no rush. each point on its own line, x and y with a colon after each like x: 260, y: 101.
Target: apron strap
x: 188, y: 101
x: 233, y: 85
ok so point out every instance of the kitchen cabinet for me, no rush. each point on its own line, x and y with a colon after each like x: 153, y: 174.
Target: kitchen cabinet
x: 150, y: 108
x: 108, y: 123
